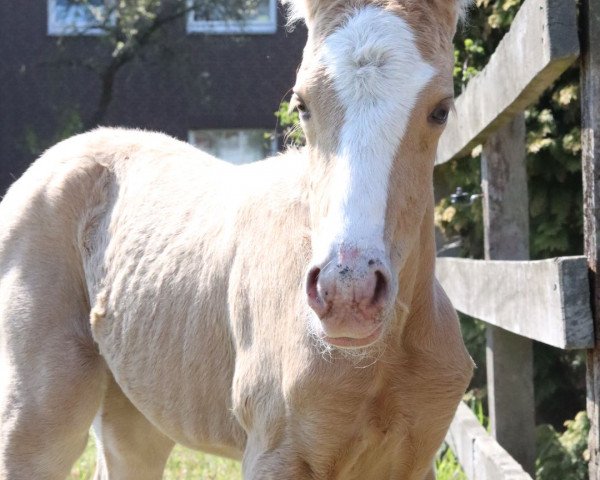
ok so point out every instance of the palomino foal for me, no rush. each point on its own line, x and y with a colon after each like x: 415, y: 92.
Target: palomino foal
x: 283, y: 313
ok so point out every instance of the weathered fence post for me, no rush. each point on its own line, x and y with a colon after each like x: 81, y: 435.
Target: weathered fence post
x: 506, y: 229
x: 590, y: 143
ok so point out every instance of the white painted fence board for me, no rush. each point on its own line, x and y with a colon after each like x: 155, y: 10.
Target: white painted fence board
x: 481, y: 457
x: 545, y: 300
x: 541, y: 44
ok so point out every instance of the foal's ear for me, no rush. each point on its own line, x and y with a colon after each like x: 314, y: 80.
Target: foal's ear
x: 304, y: 10
x: 463, y: 8
x: 297, y: 10
x: 452, y: 11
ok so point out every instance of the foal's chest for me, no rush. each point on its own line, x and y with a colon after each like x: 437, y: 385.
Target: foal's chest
x: 355, y: 426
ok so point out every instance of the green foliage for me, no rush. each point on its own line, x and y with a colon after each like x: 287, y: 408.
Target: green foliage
x: 473, y: 333
x: 476, y: 400
x: 462, y: 221
x: 563, y: 455
x: 559, y: 379
x: 486, y: 24
x: 554, y: 171
x: 447, y: 466
x: 289, y: 122
x: 553, y: 149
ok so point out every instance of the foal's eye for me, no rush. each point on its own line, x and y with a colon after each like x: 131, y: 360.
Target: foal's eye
x: 439, y: 115
x: 296, y: 103
x: 301, y: 107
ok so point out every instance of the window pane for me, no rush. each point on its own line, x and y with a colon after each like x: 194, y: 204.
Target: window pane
x: 235, y: 146
x: 69, y: 3
x: 252, y: 11
x: 75, y: 15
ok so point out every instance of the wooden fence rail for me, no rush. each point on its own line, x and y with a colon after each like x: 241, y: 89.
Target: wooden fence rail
x: 549, y: 300
x: 545, y: 300
x: 481, y: 457
x: 541, y: 44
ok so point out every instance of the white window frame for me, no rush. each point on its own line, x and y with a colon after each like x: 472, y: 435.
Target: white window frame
x: 229, y: 27
x: 79, y: 26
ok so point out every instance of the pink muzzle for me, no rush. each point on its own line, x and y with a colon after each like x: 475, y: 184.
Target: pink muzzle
x: 349, y: 293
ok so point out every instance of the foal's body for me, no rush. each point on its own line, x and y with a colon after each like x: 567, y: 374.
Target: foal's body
x: 283, y: 313
x: 167, y: 248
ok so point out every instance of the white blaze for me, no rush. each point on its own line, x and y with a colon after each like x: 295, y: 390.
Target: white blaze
x: 377, y: 73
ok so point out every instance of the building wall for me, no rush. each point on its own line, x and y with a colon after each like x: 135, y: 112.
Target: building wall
x: 190, y: 82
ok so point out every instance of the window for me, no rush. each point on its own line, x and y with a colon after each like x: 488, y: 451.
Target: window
x: 259, y: 17
x: 235, y: 146
x: 72, y: 17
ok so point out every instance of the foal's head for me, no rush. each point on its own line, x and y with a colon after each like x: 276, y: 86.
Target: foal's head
x: 373, y: 92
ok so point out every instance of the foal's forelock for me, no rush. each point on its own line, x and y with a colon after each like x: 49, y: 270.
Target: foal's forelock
x: 373, y: 62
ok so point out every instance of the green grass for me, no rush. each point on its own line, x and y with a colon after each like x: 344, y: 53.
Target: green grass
x: 188, y: 464
x: 84, y: 468
x: 182, y: 464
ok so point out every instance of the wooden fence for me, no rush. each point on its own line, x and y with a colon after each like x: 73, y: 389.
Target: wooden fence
x: 547, y: 301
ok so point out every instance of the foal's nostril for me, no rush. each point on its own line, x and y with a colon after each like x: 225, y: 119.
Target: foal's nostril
x: 316, y: 300
x: 381, y: 286
x: 311, y: 283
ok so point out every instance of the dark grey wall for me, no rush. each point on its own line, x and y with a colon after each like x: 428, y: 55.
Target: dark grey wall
x: 191, y: 82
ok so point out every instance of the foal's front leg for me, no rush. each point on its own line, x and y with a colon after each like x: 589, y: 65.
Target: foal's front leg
x: 51, y: 377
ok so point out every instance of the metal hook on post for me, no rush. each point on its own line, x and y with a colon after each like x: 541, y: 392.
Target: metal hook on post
x: 459, y: 197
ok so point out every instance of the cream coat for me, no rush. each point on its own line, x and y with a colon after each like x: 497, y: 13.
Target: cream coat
x: 156, y: 292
